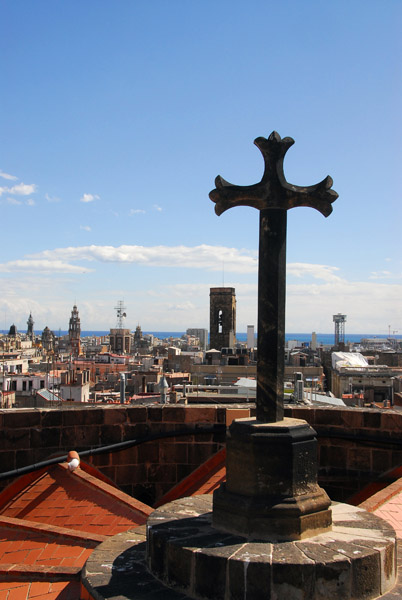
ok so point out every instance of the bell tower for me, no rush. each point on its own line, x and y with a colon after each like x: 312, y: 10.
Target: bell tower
x: 74, y: 332
x: 30, y: 327
x: 222, y: 318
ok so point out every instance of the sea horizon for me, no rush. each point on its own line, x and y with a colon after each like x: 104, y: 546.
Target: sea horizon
x: 322, y: 338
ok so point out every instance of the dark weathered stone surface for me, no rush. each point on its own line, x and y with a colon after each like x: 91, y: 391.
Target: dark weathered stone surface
x: 222, y: 318
x: 282, y: 454
x: 293, y: 573
x: 249, y: 569
x: 271, y: 488
x: 332, y: 573
x: 271, y: 315
x: 356, y: 559
x: 116, y: 569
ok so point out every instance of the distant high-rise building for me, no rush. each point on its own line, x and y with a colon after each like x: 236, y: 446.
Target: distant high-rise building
x: 201, y: 334
x: 74, y: 332
x: 314, y: 341
x: 250, y: 337
x: 222, y: 318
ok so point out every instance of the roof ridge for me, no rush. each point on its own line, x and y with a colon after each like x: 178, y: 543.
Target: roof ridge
x: 10, y: 492
x: 8, y: 572
x: 382, y: 496
x: 15, y: 523
x: 103, y: 487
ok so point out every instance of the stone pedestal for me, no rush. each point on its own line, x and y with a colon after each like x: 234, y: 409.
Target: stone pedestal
x: 271, y: 489
x: 355, y: 560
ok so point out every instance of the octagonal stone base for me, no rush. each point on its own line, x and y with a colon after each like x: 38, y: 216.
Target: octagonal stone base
x: 271, y: 487
x: 355, y: 560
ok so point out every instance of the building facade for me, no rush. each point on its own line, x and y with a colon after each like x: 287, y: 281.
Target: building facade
x: 120, y: 341
x: 201, y: 334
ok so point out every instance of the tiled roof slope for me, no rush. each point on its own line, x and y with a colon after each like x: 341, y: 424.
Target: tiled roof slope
x: 203, y: 480
x: 50, y: 522
x: 387, y: 504
x: 208, y: 476
x: 378, y: 497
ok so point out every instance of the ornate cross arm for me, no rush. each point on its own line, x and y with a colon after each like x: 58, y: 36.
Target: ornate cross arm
x: 273, y: 191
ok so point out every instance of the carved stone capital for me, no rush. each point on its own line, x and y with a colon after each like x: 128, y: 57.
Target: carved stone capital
x: 273, y: 191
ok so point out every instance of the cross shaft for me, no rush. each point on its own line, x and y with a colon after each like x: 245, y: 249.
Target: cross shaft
x: 272, y: 196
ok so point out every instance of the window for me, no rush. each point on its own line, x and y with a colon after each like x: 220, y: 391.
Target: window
x: 220, y: 321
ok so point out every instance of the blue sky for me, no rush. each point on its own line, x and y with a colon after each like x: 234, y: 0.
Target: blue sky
x: 115, y: 118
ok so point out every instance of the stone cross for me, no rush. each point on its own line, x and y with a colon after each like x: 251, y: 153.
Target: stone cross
x: 272, y: 196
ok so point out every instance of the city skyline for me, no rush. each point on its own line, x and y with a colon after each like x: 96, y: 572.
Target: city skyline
x: 115, y: 120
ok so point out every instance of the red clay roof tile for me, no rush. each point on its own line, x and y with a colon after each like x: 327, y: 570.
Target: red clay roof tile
x: 50, y: 521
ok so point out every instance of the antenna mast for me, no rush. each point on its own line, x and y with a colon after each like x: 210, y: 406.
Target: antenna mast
x: 121, y: 314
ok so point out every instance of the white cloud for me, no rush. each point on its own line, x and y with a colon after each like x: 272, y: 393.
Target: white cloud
x: 381, y: 275
x: 89, y: 198
x: 157, y: 207
x: 324, y: 272
x: 368, y: 306
x: 136, y: 211
x: 17, y: 202
x: 50, y: 304
x: 52, y: 199
x: 185, y: 306
x: 314, y: 293
x: 85, y: 227
x: 7, y: 176
x: 198, y: 257
x: 41, y: 265
x: 211, y: 258
x: 21, y: 189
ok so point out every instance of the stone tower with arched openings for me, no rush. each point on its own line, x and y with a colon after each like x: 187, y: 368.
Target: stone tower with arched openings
x: 222, y: 318
x: 74, y: 332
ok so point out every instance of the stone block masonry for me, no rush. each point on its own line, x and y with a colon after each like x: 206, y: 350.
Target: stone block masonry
x: 354, y: 560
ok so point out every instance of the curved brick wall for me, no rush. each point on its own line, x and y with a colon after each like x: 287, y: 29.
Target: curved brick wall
x: 355, y: 446
x: 372, y: 445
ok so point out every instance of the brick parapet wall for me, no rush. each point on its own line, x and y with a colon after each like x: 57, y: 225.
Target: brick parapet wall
x: 147, y: 471
x: 354, y: 445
